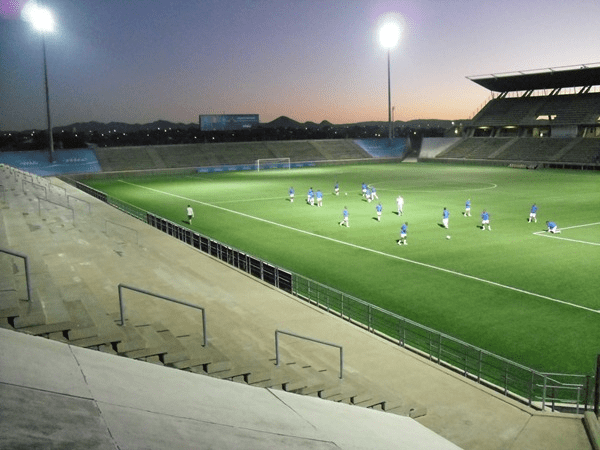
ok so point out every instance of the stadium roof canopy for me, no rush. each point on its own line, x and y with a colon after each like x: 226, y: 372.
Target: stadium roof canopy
x: 552, y: 78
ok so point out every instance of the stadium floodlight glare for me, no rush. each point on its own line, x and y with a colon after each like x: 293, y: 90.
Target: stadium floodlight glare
x: 41, y: 20
x: 389, y: 36
x: 39, y: 17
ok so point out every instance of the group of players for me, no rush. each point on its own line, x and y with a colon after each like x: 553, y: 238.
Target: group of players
x: 369, y: 193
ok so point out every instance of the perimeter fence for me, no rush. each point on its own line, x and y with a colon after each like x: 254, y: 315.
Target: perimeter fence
x: 543, y: 391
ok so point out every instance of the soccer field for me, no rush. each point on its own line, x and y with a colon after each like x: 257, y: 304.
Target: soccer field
x: 516, y: 291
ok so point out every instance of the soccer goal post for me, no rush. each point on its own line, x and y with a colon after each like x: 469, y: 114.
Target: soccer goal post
x: 273, y: 163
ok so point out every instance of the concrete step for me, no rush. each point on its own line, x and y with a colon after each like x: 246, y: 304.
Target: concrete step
x: 85, y: 325
x: 61, y: 328
x: 9, y: 304
x: 132, y: 340
x: 144, y: 353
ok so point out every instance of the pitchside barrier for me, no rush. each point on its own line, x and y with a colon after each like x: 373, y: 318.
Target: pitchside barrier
x: 543, y: 391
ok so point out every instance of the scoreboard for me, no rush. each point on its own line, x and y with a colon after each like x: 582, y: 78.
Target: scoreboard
x: 220, y: 122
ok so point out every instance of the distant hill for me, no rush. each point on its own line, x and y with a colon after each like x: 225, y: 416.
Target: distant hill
x: 280, y: 122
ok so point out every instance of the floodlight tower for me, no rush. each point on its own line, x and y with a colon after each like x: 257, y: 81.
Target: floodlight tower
x: 42, y: 21
x: 389, y: 35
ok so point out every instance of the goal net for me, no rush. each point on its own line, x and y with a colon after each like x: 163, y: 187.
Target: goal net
x: 273, y: 163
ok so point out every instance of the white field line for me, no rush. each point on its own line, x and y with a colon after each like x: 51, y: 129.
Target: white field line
x: 554, y: 236
x: 429, y: 266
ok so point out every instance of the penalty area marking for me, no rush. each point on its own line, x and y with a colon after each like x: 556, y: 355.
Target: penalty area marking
x: 399, y: 258
x: 554, y: 236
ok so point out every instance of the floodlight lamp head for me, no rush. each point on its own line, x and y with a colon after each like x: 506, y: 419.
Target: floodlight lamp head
x: 389, y: 35
x: 39, y: 17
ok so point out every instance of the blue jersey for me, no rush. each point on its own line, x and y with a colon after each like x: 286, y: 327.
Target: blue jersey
x: 551, y: 225
x: 446, y: 214
x: 404, y: 229
x: 337, y: 186
x: 373, y: 190
x: 485, y: 216
x: 310, y: 193
x: 319, y: 194
x: 379, y: 208
x: 533, y: 209
x: 291, y: 191
x: 364, y: 187
x: 345, y: 213
x: 468, y: 204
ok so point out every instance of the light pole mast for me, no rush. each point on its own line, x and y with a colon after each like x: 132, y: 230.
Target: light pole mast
x: 389, y: 34
x: 50, y: 137
x: 389, y: 102
x: 41, y: 19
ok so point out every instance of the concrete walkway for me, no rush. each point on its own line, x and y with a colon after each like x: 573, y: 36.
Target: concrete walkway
x: 103, y: 247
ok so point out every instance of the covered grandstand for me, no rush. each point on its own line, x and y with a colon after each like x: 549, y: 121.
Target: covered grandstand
x: 548, y: 118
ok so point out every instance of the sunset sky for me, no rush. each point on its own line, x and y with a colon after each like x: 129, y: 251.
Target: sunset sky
x: 138, y: 61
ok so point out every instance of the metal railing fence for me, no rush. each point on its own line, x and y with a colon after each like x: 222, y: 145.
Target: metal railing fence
x: 565, y: 392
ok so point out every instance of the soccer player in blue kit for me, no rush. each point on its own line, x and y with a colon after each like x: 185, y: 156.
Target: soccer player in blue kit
x: 445, y: 217
x: 319, y: 198
x: 379, y: 208
x: 403, y: 233
x: 292, y: 192
x: 533, y: 213
x: 374, y: 193
x: 345, y: 219
x: 552, y: 227
x: 468, y: 208
x: 336, y: 188
x: 485, y: 220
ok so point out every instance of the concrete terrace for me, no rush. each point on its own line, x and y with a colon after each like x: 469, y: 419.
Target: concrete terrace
x: 92, y: 383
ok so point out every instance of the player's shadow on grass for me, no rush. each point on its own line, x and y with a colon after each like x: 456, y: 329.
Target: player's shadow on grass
x: 397, y: 213
x: 186, y: 221
x: 441, y: 225
x: 375, y: 219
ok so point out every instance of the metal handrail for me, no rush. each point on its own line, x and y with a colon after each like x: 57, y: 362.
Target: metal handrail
x: 163, y: 297
x: 26, y: 259
x: 318, y: 341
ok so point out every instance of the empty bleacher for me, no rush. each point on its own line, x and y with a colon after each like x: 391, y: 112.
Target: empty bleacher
x: 533, y: 149
x: 587, y: 151
x: 475, y: 148
x: 230, y: 153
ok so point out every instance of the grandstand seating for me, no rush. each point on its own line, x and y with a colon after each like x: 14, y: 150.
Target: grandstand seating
x: 532, y: 149
x: 475, y: 148
x: 502, y: 111
x: 587, y: 151
x: 230, y: 153
x: 571, y: 109
x: 543, y: 129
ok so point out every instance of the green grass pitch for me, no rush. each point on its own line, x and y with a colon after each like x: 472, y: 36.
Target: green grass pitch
x: 516, y: 290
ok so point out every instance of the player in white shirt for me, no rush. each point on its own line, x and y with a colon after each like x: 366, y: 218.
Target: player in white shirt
x: 400, y: 203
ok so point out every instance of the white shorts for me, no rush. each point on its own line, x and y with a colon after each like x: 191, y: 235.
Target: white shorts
x: 533, y: 215
x: 485, y: 222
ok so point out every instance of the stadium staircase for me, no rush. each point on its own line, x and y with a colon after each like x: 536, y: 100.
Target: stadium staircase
x: 79, y: 250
